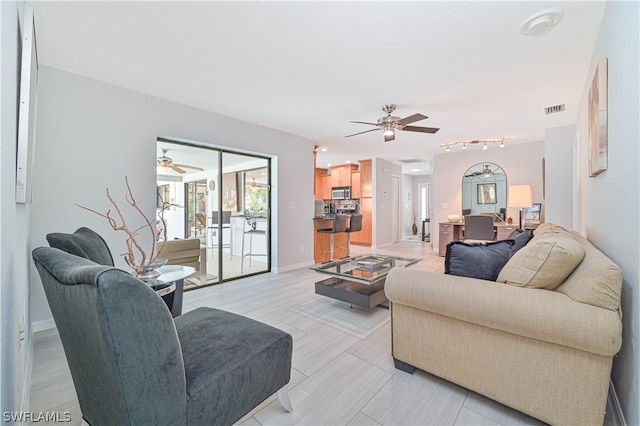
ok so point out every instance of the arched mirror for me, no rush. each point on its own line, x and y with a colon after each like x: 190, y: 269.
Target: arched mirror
x: 484, y: 190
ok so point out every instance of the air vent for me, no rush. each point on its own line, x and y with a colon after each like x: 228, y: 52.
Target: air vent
x: 554, y: 109
x: 412, y: 160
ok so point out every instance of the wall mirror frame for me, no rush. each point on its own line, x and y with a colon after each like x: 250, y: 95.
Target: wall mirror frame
x: 484, y: 190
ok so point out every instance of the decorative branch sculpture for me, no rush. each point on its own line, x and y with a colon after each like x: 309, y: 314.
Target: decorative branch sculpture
x: 136, y: 255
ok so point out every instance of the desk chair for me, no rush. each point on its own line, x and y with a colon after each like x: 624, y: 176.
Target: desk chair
x: 355, y: 225
x: 250, y: 228
x: 133, y: 364
x: 339, y: 225
x: 479, y: 228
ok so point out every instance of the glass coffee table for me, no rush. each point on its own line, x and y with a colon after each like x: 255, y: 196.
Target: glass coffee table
x: 359, y: 280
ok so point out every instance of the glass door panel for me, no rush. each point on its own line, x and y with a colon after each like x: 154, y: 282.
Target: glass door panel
x: 246, y: 188
x: 226, y: 205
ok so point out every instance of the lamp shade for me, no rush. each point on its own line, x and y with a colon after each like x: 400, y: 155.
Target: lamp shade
x: 520, y: 196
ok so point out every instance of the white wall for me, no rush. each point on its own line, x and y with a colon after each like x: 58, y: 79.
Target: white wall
x: 91, y: 134
x: 608, y: 203
x: 15, y: 253
x: 522, y: 164
x: 559, y: 158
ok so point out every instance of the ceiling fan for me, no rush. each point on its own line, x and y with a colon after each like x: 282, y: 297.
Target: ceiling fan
x: 391, y: 123
x: 164, y: 161
x: 486, y: 171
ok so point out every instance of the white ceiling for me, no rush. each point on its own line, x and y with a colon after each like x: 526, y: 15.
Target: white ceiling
x: 308, y: 68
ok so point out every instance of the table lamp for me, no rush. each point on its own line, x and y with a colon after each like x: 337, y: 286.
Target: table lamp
x: 520, y: 196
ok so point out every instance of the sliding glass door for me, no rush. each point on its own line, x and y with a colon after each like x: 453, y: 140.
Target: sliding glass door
x: 222, y: 198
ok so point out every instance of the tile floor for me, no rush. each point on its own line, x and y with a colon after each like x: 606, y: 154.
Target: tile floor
x: 343, y: 373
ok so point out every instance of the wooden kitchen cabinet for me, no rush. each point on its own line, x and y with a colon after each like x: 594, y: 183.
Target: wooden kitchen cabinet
x: 366, y: 179
x: 341, y: 175
x: 355, y: 184
x: 323, y: 185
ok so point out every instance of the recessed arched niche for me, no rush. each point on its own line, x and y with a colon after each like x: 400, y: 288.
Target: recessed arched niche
x: 484, y: 190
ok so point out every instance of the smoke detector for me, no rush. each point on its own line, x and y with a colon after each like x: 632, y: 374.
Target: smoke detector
x: 541, y: 22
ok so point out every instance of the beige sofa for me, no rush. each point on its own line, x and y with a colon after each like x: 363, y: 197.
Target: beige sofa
x: 545, y: 353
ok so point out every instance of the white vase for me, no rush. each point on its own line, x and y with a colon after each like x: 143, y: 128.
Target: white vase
x: 454, y: 218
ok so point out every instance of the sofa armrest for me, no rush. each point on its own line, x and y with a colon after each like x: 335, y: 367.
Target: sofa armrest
x: 535, y: 313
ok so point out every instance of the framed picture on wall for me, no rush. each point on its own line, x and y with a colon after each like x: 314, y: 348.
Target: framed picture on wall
x: 598, y: 120
x: 487, y: 193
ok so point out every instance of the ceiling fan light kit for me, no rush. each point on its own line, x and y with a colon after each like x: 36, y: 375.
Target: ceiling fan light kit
x: 391, y: 123
x: 500, y: 142
x: 166, y: 165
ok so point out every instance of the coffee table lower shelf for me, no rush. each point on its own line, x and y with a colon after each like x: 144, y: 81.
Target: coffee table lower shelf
x: 366, y: 296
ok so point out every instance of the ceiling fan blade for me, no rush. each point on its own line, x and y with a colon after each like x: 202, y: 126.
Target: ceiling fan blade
x: 189, y: 167
x: 364, y: 122
x: 177, y: 169
x: 412, y: 119
x: 420, y: 129
x: 391, y: 137
x: 366, y: 131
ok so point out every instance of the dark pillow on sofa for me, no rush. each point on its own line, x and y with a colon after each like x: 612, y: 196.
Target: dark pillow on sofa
x: 521, y: 239
x: 477, y: 260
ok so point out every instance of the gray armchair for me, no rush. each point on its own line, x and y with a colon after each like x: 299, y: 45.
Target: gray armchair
x: 132, y: 364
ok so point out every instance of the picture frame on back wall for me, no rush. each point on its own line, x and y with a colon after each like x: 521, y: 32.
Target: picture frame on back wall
x: 25, y: 147
x: 598, y: 120
x: 487, y: 193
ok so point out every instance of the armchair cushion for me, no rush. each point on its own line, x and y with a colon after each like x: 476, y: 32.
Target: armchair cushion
x: 84, y: 243
x: 477, y: 260
x: 252, y: 361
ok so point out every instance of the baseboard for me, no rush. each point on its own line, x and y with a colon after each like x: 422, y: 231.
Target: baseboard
x: 614, y: 404
x: 43, y: 325
x: 289, y: 268
x: 26, y: 385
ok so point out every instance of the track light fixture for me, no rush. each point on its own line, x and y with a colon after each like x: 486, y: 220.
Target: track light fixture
x: 485, y: 143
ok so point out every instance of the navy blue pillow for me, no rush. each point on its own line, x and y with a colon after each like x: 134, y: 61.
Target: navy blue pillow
x: 477, y: 260
x: 521, y: 239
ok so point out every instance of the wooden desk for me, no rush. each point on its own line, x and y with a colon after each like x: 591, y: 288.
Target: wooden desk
x: 455, y: 231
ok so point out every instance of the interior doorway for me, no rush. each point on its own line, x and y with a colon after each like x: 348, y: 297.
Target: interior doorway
x: 223, y: 199
x: 424, y: 201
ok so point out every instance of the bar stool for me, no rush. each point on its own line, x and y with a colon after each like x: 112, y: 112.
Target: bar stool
x: 251, y: 230
x: 355, y: 225
x: 339, y: 225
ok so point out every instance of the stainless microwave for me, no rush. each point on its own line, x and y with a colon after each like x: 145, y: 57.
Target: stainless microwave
x: 341, y: 193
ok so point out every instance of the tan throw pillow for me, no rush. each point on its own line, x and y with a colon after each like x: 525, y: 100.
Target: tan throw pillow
x: 543, y: 263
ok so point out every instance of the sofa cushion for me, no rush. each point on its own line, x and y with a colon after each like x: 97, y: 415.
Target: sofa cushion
x: 543, y: 263
x: 596, y: 281
x: 477, y: 260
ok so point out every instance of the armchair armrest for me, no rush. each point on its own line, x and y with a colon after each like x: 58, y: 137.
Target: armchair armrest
x: 540, y: 314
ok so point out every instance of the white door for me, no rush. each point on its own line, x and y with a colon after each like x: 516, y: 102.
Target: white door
x: 395, y: 209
